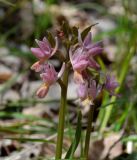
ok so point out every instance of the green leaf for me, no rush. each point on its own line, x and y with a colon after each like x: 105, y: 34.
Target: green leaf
x: 85, y: 31
x: 66, y: 29
x: 7, y: 2
x: 75, y: 31
x: 77, y: 137
x: 74, y: 38
x: 130, y: 138
x: 30, y: 139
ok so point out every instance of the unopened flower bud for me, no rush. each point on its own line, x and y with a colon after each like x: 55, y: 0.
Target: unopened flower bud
x: 42, y: 91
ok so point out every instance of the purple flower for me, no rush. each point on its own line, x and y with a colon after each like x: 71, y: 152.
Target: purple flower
x: 44, y: 51
x: 82, y: 91
x: 94, y: 89
x: 111, y: 84
x: 78, y: 59
x: 49, y: 74
x: 49, y: 77
x: 82, y: 58
x: 89, y: 91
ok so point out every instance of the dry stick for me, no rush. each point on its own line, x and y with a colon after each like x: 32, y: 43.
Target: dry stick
x: 122, y: 134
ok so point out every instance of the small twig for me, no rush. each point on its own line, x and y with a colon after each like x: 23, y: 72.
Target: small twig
x: 122, y: 134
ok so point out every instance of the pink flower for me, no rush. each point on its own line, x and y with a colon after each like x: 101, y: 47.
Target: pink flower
x: 78, y: 59
x: 82, y: 91
x: 49, y: 74
x: 37, y: 66
x: 82, y: 58
x: 44, y: 51
x: 49, y: 77
x: 111, y: 84
x: 88, y: 91
x: 94, y: 89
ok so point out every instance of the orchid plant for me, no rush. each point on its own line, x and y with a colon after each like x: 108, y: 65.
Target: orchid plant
x: 79, y: 57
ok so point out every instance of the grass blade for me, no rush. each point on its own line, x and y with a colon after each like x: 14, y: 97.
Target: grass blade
x: 77, y: 137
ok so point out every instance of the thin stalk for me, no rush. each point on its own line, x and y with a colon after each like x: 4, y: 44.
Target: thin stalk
x: 62, y: 110
x: 88, y: 132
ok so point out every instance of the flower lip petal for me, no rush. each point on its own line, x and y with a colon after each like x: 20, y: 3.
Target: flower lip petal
x: 37, y: 52
x: 94, y: 51
x: 81, y: 65
x: 46, y: 42
x: 93, y: 45
x: 49, y: 75
x: 43, y: 46
x: 93, y: 64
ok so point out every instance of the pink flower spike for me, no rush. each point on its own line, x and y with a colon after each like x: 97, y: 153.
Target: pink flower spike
x: 37, y: 67
x: 111, y: 84
x: 42, y: 91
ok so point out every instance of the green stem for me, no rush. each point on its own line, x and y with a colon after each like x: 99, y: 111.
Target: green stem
x: 89, y: 129
x: 62, y: 115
